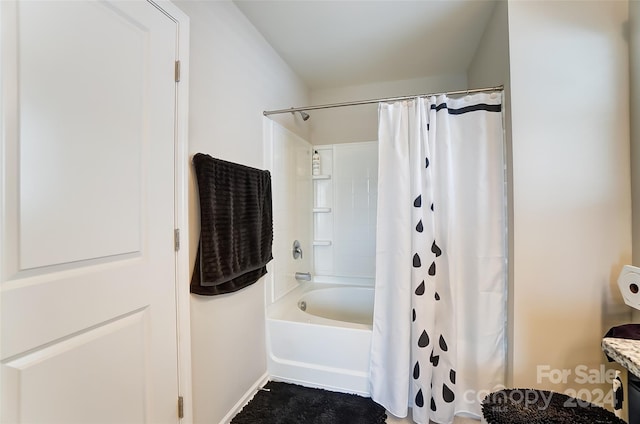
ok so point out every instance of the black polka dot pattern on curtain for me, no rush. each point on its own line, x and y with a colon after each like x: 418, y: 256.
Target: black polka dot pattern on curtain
x: 433, y: 371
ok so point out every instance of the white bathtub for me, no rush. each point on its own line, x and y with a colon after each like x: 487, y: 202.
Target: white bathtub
x: 327, y: 345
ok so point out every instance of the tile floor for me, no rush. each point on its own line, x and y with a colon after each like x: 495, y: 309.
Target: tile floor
x: 458, y: 420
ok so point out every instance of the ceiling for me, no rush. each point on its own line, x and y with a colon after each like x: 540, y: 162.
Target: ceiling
x: 340, y: 43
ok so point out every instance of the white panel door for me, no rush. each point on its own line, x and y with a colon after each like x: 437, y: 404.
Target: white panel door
x: 88, y: 303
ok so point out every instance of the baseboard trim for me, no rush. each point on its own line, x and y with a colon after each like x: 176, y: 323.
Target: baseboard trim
x: 245, y: 398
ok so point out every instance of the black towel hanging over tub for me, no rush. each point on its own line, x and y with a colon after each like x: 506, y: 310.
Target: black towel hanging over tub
x: 236, y: 222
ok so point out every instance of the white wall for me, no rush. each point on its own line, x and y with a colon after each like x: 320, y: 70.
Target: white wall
x: 634, y: 55
x: 490, y: 64
x: 360, y: 123
x: 571, y: 185
x: 235, y: 75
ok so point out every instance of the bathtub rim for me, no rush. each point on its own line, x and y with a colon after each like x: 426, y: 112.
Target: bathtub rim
x: 286, y: 308
x: 322, y: 302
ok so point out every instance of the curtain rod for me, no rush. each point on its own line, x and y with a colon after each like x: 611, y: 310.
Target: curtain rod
x: 387, y: 99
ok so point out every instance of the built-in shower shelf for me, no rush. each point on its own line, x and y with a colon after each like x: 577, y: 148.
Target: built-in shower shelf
x: 321, y: 177
x: 321, y: 210
x: 322, y: 242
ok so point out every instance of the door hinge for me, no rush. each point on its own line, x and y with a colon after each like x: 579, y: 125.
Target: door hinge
x: 176, y: 239
x: 180, y: 407
x: 177, y: 71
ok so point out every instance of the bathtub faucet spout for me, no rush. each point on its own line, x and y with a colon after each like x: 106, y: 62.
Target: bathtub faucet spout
x: 303, y: 276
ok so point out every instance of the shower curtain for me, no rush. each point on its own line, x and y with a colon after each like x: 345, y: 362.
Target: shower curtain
x: 440, y: 301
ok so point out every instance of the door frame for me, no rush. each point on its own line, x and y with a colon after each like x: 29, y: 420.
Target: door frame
x: 181, y: 172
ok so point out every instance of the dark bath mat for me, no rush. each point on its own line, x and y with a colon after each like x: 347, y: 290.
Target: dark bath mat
x: 286, y: 403
x: 532, y: 406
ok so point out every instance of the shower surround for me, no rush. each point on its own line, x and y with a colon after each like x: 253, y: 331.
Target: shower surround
x: 333, y: 216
